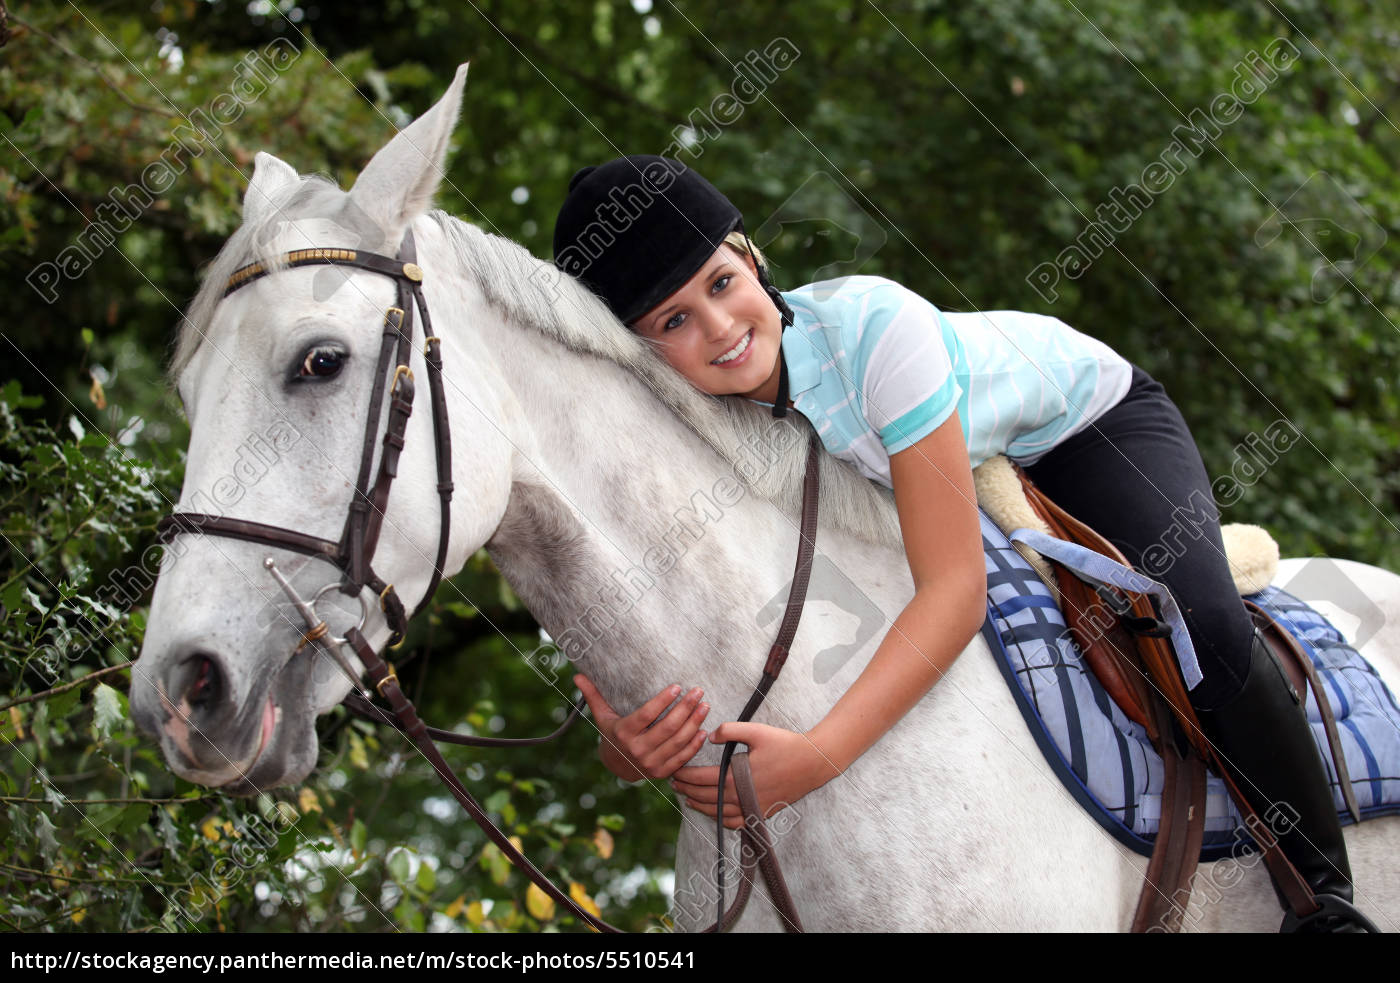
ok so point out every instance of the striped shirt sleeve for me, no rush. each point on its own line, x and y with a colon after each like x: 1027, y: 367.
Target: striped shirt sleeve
x: 907, y: 381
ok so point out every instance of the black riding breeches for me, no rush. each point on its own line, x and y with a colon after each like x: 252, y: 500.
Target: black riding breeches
x: 1136, y: 477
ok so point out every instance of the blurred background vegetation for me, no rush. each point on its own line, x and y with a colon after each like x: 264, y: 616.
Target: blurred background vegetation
x: 953, y: 147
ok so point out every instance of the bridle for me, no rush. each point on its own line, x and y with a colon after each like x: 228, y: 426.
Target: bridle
x: 353, y: 555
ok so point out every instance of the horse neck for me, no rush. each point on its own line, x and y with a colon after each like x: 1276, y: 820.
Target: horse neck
x: 622, y: 533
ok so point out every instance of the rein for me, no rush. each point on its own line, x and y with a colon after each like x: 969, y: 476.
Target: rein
x: 353, y: 555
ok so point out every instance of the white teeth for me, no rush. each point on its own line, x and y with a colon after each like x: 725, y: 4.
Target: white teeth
x: 736, y: 351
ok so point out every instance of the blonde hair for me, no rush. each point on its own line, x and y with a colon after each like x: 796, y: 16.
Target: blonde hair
x: 743, y: 244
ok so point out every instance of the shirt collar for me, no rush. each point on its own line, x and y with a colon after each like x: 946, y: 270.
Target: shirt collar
x: 800, y: 351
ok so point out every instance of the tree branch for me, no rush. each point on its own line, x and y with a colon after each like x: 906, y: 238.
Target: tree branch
x: 77, y: 802
x: 66, y: 686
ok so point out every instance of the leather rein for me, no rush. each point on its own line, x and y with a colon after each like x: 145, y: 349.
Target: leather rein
x: 353, y: 555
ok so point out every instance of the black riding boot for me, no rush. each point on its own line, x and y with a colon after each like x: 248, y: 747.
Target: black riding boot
x: 1263, y: 736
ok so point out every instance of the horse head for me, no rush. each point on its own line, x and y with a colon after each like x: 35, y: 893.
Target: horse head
x: 276, y: 379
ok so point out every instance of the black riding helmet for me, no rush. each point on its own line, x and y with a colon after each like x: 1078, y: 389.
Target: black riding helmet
x: 635, y: 229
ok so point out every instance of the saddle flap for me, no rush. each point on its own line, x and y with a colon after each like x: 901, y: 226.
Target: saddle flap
x: 1102, y: 640
x: 1132, y: 667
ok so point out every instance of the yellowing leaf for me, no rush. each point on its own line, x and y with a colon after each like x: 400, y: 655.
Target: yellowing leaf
x: 581, y: 898
x: 603, y: 842
x: 79, y: 915
x: 475, y: 913
x: 17, y: 719
x: 507, y: 916
x: 210, y: 828
x: 539, y: 904
x: 455, y: 908
x: 99, y: 400
x: 516, y: 842
x: 494, y: 862
x: 307, y: 801
x: 358, y: 757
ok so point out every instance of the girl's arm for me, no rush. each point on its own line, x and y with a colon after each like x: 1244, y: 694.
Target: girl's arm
x: 936, y: 502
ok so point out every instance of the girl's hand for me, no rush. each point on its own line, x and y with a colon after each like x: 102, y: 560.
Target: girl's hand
x: 785, y: 766
x: 639, y: 745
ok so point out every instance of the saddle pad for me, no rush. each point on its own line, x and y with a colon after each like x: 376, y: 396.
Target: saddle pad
x: 1106, y: 761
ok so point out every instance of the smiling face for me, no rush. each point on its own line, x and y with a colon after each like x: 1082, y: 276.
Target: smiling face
x: 720, y: 330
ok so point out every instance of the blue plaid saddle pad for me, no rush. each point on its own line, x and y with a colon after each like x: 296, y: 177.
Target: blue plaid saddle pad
x: 1106, y: 761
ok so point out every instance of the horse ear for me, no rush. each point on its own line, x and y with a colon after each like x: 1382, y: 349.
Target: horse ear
x: 270, y: 175
x: 399, y: 182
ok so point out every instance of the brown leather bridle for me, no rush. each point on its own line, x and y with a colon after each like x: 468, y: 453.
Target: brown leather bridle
x: 353, y: 555
x: 354, y: 552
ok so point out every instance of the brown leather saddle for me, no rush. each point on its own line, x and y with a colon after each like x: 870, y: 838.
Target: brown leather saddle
x: 1126, y: 646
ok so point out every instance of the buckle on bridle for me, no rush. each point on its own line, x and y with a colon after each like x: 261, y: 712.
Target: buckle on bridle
x: 388, y: 676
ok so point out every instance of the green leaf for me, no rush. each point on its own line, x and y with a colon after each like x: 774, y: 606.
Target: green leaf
x: 169, y: 834
x: 107, y: 713
x: 61, y: 704
x: 427, y: 878
x: 132, y: 818
x: 400, y: 866
x: 48, y: 841
x: 359, y: 837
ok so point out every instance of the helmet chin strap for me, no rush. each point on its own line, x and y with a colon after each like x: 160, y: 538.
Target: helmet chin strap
x: 784, y: 314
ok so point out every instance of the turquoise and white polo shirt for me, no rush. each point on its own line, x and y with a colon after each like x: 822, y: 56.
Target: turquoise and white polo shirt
x: 876, y: 368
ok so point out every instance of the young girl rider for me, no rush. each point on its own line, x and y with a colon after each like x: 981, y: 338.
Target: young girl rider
x: 914, y: 398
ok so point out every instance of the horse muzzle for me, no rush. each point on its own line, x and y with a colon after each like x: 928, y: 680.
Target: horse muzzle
x: 212, y: 737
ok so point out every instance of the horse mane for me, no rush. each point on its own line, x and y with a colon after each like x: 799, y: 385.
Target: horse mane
x: 313, y: 195
x: 535, y: 295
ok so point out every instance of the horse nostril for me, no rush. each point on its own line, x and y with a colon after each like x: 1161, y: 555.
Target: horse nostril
x: 199, y: 692
x: 199, y: 682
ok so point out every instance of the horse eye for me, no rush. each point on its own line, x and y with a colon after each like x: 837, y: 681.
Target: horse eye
x: 321, y: 363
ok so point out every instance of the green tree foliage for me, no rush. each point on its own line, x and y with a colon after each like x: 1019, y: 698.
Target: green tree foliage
x: 975, y: 152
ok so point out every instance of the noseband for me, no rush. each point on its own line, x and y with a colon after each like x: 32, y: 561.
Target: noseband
x: 353, y: 554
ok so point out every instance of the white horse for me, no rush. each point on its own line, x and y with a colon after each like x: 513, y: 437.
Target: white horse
x: 648, y: 527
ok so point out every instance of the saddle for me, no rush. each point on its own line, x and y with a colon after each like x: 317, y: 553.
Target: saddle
x: 1126, y: 645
